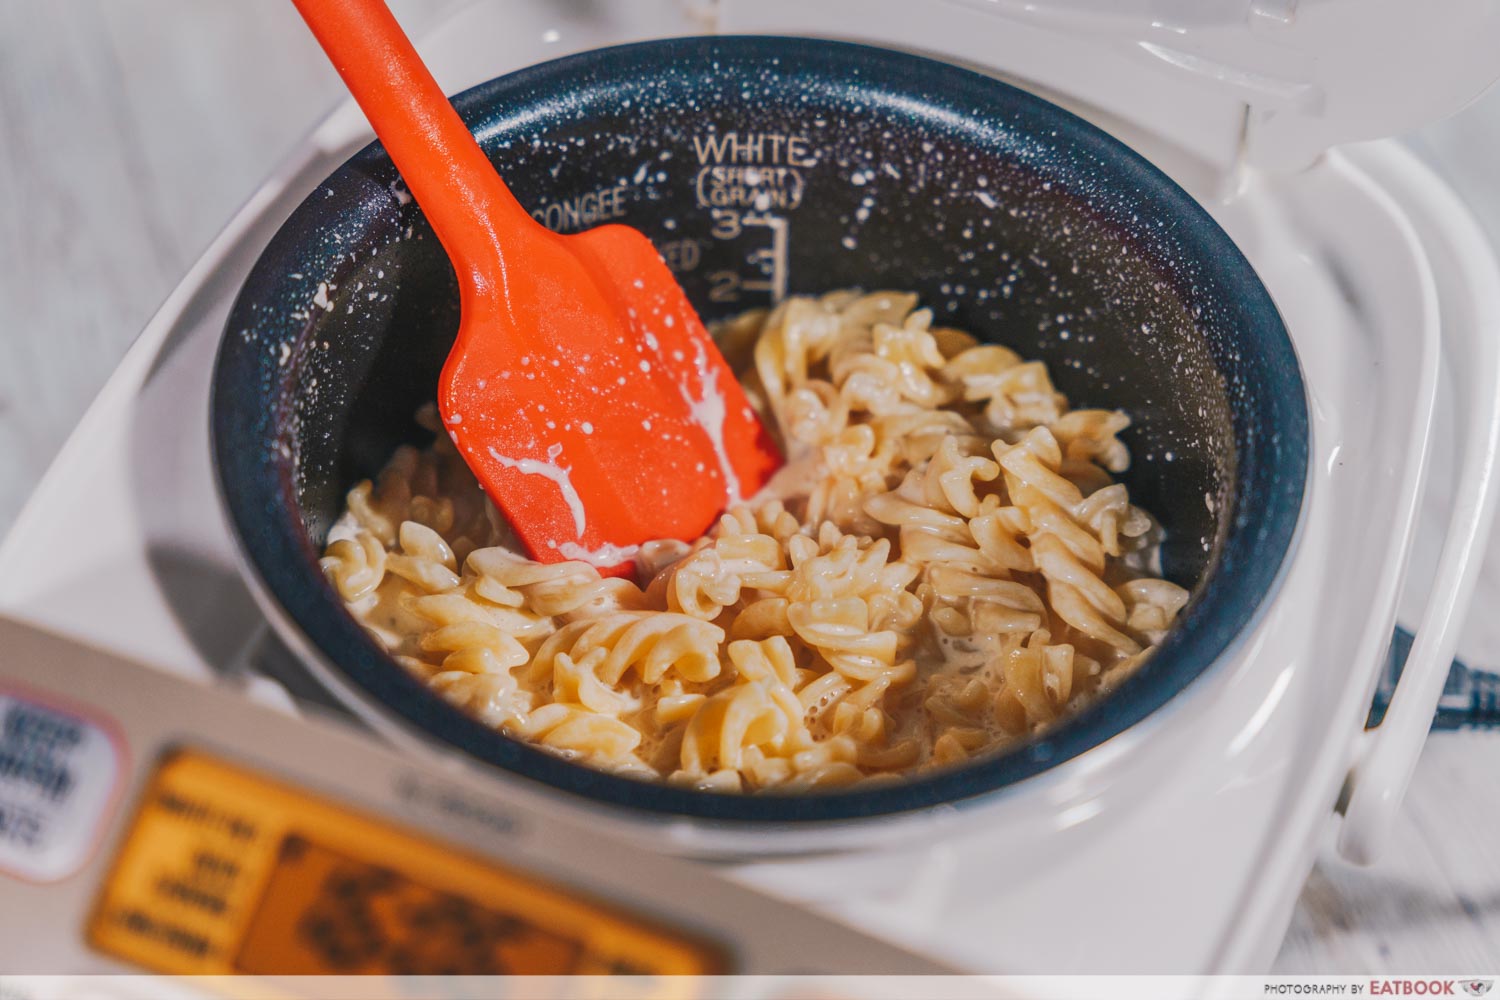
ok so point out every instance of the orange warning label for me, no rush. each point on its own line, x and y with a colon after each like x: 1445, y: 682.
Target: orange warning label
x: 224, y: 871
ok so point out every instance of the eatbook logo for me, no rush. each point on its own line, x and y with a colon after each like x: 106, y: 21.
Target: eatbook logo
x: 1477, y: 987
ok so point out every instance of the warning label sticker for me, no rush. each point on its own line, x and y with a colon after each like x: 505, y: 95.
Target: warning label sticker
x: 226, y: 871
x: 57, y: 774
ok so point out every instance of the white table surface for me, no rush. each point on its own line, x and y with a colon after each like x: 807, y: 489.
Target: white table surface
x: 131, y: 129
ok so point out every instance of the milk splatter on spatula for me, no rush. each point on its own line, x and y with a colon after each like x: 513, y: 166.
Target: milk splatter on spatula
x: 582, y: 389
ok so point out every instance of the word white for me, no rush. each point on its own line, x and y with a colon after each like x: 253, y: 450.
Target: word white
x: 754, y: 147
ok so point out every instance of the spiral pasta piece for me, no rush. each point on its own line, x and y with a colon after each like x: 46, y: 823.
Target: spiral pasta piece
x: 355, y: 565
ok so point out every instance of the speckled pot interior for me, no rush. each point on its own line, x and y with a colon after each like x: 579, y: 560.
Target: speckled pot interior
x: 766, y: 164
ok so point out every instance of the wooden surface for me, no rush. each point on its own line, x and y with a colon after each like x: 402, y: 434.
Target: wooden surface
x: 131, y: 129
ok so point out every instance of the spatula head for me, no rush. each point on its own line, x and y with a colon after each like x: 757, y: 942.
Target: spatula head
x: 591, y: 403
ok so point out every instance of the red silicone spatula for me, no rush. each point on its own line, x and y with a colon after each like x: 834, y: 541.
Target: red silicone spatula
x: 583, y: 389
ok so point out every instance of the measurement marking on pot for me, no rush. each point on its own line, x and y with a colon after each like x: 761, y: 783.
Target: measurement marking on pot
x: 766, y: 266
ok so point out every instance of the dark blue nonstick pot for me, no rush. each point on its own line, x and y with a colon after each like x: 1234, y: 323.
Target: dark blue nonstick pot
x: 763, y: 166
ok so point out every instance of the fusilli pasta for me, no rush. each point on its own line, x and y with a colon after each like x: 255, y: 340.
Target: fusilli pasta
x: 944, y: 567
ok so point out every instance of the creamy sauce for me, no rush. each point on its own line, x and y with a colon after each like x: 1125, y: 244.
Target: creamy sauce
x: 604, y: 556
x: 709, y: 412
x: 559, y: 475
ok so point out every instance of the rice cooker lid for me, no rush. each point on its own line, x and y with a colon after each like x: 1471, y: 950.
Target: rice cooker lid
x: 1265, y: 83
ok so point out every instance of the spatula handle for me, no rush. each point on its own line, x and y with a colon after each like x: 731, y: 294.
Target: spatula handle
x: 467, y: 203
